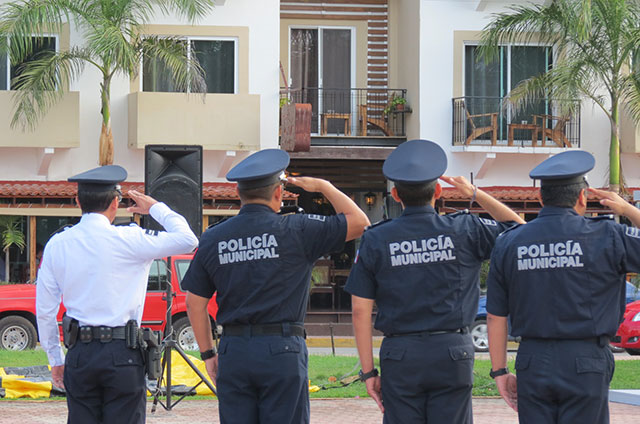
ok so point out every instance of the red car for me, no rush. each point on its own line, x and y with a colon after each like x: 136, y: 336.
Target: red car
x: 18, y: 308
x: 628, y: 335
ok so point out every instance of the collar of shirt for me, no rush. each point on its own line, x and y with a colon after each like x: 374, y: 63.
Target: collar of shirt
x: 95, y: 219
x: 554, y: 210
x: 255, y: 207
x: 413, y: 210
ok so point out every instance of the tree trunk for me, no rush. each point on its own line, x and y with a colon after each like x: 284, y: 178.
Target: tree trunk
x: 614, y: 149
x: 106, y: 137
x: 6, y: 265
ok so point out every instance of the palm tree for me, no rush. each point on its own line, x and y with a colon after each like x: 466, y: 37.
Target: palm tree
x: 113, y: 45
x: 11, y: 236
x: 595, y: 44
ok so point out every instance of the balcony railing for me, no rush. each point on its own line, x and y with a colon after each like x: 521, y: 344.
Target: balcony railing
x: 354, y: 112
x: 487, y: 121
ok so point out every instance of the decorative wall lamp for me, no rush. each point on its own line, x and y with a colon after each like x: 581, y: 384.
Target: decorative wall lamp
x: 370, y: 199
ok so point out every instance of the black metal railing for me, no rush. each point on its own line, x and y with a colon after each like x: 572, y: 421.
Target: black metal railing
x: 489, y: 121
x: 363, y: 112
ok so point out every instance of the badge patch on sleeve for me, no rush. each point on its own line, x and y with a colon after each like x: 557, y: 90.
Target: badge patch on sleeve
x: 320, y: 218
x: 489, y: 222
x: 633, y: 232
x: 151, y: 232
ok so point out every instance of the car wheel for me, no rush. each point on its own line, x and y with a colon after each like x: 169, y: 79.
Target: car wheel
x: 184, y: 334
x: 17, y: 333
x: 479, y: 336
x: 634, y: 352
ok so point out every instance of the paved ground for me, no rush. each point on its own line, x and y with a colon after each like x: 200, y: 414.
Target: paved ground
x: 351, y: 411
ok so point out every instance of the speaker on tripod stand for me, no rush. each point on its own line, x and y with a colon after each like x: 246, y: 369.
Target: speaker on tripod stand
x: 173, y: 175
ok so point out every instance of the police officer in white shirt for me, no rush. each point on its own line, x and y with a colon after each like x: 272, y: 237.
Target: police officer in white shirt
x: 101, y: 272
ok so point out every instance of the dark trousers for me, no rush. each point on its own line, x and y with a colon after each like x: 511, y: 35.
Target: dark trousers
x: 563, y: 381
x: 263, y: 379
x: 427, y: 379
x: 104, y: 384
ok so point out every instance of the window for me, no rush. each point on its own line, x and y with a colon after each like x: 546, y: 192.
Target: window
x: 218, y: 58
x: 182, y: 266
x: 486, y: 84
x: 157, y: 276
x: 8, y: 71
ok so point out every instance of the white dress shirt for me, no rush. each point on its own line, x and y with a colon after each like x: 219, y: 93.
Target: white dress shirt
x: 100, y: 271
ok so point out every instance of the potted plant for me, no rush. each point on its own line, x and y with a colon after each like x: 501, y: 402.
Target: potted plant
x: 397, y: 103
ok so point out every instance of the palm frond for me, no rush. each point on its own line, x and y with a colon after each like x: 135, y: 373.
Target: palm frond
x: 113, y: 47
x: 41, y: 83
x: 12, y: 236
x: 186, y: 72
x: 631, y: 95
x: 191, y: 10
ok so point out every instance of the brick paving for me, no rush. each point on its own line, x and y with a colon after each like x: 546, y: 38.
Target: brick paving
x: 323, y: 411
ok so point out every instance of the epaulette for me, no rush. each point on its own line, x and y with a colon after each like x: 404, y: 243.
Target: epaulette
x: 384, y: 221
x: 510, y: 228
x: 600, y: 217
x: 61, y: 229
x: 217, y: 223
x: 462, y: 212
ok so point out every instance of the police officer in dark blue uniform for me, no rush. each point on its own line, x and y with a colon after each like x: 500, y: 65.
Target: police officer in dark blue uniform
x: 422, y: 270
x: 561, y: 280
x: 260, y: 265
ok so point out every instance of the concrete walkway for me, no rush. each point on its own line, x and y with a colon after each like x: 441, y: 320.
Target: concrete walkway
x: 323, y: 411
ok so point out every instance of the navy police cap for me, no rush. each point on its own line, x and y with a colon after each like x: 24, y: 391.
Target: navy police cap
x: 103, y: 178
x: 415, y: 162
x: 261, y: 169
x: 564, y: 168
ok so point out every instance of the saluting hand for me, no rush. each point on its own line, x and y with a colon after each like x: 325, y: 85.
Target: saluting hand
x: 461, y: 183
x: 143, y: 202
x: 374, y: 390
x: 310, y: 184
x: 611, y: 200
x: 508, y: 388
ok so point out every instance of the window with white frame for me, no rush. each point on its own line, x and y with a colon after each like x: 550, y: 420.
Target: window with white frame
x: 217, y: 56
x: 8, y: 70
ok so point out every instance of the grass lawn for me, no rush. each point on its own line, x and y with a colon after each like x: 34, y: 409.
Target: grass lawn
x: 326, y: 372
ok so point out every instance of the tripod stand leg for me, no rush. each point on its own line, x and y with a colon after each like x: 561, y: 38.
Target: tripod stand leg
x: 156, y: 395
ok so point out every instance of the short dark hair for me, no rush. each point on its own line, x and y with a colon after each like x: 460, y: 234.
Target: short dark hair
x: 416, y: 194
x: 561, y: 196
x: 260, y: 193
x: 96, y: 201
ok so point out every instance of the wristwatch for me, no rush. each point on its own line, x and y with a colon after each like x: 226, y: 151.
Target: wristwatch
x: 208, y: 354
x: 498, y: 372
x: 364, y: 376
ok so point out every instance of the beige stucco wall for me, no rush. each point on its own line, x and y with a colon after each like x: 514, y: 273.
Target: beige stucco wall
x: 361, y: 42
x: 58, y: 128
x: 629, y: 134
x: 220, y: 122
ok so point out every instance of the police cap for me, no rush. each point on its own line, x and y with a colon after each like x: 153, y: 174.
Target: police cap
x: 415, y: 162
x: 103, y: 178
x: 564, y: 168
x: 261, y: 169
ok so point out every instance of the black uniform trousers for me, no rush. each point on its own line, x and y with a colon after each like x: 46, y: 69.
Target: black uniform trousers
x: 563, y: 381
x: 427, y: 379
x: 263, y: 379
x: 105, y: 383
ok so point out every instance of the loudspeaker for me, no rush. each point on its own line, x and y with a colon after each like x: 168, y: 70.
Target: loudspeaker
x: 173, y: 175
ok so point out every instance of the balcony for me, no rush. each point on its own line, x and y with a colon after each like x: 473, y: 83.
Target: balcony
x: 486, y: 124
x: 220, y: 122
x: 59, y: 128
x: 353, y: 117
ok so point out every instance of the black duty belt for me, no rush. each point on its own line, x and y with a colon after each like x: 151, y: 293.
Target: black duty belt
x: 601, y: 341
x: 284, y: 329
x: 463, y: 330
x: 105, y: 334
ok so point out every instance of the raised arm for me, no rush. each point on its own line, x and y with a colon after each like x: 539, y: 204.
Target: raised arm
x: 618, y: 205
x: 498, y: 210
x: 356, y: 219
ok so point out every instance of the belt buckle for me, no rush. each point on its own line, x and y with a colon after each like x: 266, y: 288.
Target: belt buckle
x: 105, y: 334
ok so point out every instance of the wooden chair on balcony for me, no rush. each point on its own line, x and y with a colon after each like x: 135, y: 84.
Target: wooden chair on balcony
x: 478, y: 131
x: 365, y: 118
x: 557, y: 132
x: 322, y: 280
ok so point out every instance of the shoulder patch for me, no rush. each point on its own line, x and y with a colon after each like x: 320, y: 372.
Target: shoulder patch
x: 62, y: 229
x: 601, y: 217
x: 151, y: 232
x: 384, y: 221
x: 461, y: 212
x: 632, y: 232
x: 489, y: 222
x: 315, y: 217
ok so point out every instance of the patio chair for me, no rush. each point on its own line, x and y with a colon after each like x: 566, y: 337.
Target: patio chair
x: 322, y: 280
x: 478, y: 131
x: 556, y: 133
x: 364, y: 118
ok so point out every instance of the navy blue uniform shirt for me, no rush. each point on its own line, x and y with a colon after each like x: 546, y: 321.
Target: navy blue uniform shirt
x: 260, y: 263
x: 422, y: 269
x: 562, y: 275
